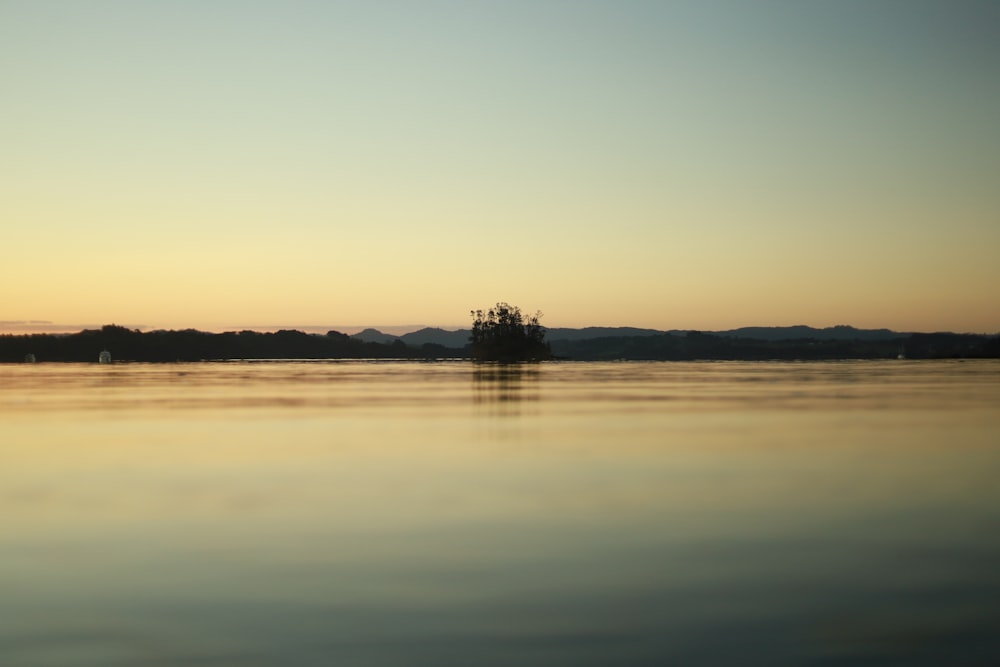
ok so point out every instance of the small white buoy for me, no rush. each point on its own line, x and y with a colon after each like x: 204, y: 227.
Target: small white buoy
x: 104, y: 358
x: 29, y: 358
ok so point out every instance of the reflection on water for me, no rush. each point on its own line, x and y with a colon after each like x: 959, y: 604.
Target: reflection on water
x: 502, y: 388
x: 379, y: 513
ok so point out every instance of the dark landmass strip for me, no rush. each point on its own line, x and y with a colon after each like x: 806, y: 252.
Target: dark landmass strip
x: 703, y: 346
x: 460, y: 337
x: 191, y: 345
x: 799, y: 332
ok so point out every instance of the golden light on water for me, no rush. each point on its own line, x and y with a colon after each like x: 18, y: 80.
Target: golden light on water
x: 254, y: 513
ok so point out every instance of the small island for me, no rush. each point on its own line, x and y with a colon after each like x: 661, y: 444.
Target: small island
x: 503, y: 334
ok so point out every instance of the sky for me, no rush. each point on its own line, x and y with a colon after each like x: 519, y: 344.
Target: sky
x: 222, y: 164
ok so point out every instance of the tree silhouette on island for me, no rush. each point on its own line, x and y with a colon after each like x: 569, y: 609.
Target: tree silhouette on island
x: 503, y: 334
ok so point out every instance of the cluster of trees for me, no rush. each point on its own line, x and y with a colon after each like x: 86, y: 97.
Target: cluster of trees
x: 503, y: 334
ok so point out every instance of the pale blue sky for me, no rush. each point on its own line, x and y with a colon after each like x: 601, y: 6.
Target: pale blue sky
x: 670, y: 164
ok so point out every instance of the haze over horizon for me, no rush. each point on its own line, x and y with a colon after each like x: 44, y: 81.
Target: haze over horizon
x: 681, y: 165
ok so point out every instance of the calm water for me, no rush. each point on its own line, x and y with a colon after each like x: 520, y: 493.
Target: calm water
x: 390, y: 514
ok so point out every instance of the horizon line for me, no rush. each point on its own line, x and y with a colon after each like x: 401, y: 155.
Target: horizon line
x: 28, y: 327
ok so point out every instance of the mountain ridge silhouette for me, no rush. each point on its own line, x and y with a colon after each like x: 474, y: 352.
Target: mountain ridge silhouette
x: 457, y: 338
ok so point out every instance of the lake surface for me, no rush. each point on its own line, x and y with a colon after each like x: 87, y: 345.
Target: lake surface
x: 383, y: 514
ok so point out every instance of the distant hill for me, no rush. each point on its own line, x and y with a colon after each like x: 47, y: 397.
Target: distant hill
x: 598, y: 332
x: 459, y: 338
x: 435, y: 336
x: 801, y: 332
x: 374, y: 336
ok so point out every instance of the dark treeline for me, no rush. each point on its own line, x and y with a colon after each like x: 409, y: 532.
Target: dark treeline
x: 191, y: 345
x: 702, y: 346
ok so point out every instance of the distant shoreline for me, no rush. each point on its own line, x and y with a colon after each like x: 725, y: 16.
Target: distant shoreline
x: 837, y: 343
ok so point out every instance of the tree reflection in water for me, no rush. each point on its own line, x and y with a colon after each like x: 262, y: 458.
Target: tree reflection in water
x: 502, y: 388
